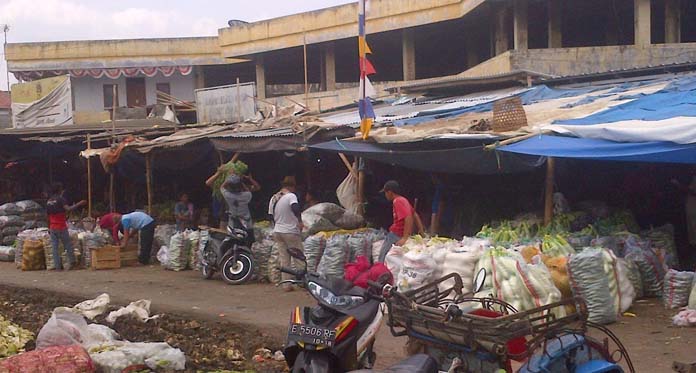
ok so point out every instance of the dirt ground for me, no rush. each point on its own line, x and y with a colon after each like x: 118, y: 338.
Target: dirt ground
x: 206, y: 318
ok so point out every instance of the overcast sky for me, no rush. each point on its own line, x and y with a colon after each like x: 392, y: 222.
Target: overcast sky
x: 52, y: 20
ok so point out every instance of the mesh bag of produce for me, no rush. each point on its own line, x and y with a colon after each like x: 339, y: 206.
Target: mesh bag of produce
x: 64, y: 359
x: 335, y: 256
x: 33, y: 258
x: 163, y: 234
x: 194, y: 239
x: 652, y: 271
x: 28, y: 206
x: 19, y: 246
x: 262, y: 257
x: 359, y: 246
x: 634, y: 276
x: 274, y: 264
x: 662, y: 238
x: 314, y: 249
x: 9, y: 209
x: 350, y: 220
x: 178, y: 259
x: 593, y: 278
x: 677, y: 288
x: 692, y: 296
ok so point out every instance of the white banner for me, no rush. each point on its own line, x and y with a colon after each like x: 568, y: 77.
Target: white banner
x: 53, y: 109
x: 221, y: 104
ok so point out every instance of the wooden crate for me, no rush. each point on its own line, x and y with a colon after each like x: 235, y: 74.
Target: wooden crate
x: 107, y: 257
x: 129, y: 255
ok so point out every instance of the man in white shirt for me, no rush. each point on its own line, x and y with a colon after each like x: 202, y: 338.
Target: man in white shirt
x: 285, y: 213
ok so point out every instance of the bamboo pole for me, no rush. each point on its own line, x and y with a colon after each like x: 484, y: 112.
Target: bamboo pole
x: 89, y: 176
x: 347, y: 163
x: 548, y: 200
x: 306, y: 80
x: 148, y: 177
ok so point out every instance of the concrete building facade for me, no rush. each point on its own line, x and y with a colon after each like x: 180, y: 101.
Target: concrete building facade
x: 410, y: 39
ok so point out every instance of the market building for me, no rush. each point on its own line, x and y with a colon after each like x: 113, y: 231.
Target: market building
x: 5, y: 104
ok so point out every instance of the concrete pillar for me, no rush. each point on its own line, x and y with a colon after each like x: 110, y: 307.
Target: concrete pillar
x: 555, y: 24
x: 501, y: 42
x: 641, y: 9
x: 521, y: 29
x: 328, y: 67
x: 408, y: 49
x: 260, y: 77
x: 672, y: 21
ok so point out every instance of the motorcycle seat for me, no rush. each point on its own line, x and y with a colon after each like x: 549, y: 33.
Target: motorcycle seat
x: 415, y: 364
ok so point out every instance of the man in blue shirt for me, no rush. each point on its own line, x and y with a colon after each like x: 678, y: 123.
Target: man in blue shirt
x: 139, y: 221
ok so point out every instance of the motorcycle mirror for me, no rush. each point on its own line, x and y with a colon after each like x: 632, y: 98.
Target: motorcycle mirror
x: 479, y: 280
x: 297, y: 254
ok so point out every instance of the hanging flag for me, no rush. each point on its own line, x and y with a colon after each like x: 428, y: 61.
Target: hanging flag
x: 367, y: 90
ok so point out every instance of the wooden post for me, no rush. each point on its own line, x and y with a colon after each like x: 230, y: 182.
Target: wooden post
x: 239, y: 104
x: 306, y: 80
x: 89, y: 176
x: 548, y: 202
x: 148, y: 181
x: 361, y: 186
x: 114, y: 99
x: 112, y: 206
x: 346, y: 163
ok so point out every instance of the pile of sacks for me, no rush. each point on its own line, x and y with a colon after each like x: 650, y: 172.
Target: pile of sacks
x: 183, y: 250
x: 329, y: 252
x: 326, y: 217
x: 265, y: 253
x: 18, y: 216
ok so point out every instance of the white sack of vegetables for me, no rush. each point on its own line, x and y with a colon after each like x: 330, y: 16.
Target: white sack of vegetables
x: 394, y: 259
x: 510, y: 279
x: 461, y: 261
x: 417, y: 269
x: 593, y: 278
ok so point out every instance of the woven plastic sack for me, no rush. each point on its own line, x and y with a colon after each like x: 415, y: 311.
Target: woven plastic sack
x: 194, y: 239
x: 692, y: 296
x: 359, y: 246
x: 417, y: 269
x: 316, y: 223
x: 163, y: 234
x: 593, y: 278
x: 9, y: 209
x: 28, y: 206
x: 634, y: 276
x: 178, y: 259
x: 64, y: 359
x: 7, y: 254
x: 330, y: 211
x: 349, y: 221
x: 274, y: 274
x: 462, y: 262
x: 10, y: 221
x: 627, y: 293
x: 262, y: 257
x: 335, y: 256
x: 19, y: 246
x: 652, y: 270
x: 677, y: 288
x: 314, y: 249
x: 394, y: 260
x: 33, y: 258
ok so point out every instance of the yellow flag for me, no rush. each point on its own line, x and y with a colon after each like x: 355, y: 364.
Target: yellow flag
x: 363, y: 47
x: 365, y: 127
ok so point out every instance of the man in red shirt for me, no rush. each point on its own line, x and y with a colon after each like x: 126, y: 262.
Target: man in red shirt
x: 56, y: 207
x: 403, y: 214
x: 111, y: 222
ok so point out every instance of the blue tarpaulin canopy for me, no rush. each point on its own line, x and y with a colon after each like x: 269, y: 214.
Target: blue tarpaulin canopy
x: 579, y: 148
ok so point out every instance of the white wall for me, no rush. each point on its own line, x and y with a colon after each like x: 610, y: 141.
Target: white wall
x: 88, y: 92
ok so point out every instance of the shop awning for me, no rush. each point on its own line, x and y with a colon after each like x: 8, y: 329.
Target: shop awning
x: 436, y: 156
x: 605, y: 150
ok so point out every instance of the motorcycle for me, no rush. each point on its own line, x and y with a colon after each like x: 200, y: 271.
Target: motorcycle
x: 480, y: 335
x: 338, y: 334
x: 420, y: 363
x: 228, y: 252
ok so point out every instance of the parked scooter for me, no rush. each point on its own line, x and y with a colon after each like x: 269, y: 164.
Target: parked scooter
x: 420, y: 363
x: 338, y: 334
x: 229, y: 252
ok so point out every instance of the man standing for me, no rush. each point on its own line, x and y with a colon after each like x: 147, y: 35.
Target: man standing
x: 139, y: 221
x: 285, y: 213
x: 403, y: 216
x: 57, y: 207
x: 183, y: 213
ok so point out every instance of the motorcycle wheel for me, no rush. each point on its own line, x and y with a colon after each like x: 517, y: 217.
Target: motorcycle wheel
x: 312, y: 362
x: 240, y: 272
x: 207, y: 272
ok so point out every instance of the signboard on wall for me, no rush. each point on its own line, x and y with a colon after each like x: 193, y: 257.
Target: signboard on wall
x: 42, y: 103
x: 226, y: 104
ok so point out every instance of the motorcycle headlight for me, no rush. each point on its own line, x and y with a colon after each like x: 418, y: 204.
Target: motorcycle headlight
x: 325, y: 295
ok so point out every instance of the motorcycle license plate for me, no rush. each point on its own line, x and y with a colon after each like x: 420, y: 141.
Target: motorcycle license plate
x: 310, y: 334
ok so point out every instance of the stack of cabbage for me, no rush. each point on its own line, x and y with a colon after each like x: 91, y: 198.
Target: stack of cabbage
x: 12, y: 338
